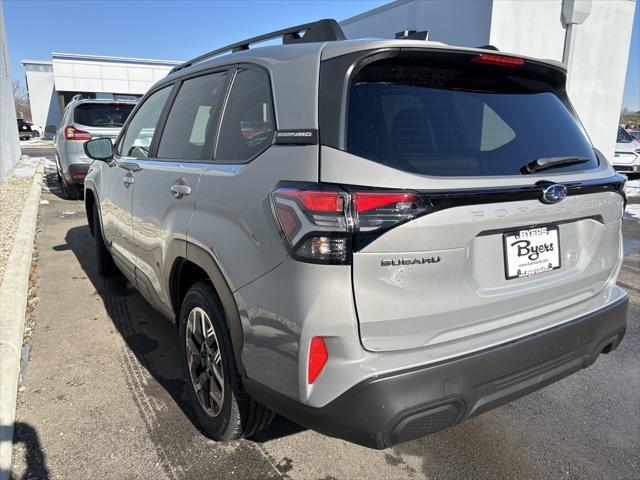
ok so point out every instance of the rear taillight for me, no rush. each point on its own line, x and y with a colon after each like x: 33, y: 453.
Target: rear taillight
x: 324, y: 223
x: 72, y: 133
x: 503, y: 60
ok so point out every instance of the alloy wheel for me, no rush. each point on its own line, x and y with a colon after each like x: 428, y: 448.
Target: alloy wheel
x: 204, y: 359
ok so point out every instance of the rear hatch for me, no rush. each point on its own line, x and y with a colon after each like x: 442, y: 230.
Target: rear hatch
x: 101, y: 119
x: 484, y: 148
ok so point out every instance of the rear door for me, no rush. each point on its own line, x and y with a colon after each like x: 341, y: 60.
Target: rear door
x: 166, y: 185
x: 476, y: 247
x: 117, y: 182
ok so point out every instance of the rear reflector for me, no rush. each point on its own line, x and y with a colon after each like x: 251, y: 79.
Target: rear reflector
x: 503, y: 60
x: 318, y: 357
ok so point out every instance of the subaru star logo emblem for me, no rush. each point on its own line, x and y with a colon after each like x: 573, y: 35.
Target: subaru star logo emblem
x: 553, y: 193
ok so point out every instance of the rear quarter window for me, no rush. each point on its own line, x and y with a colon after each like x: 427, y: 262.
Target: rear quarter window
x: 248, y: 121
x: 459, y: 119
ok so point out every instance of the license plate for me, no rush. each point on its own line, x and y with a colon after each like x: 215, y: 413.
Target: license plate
x: 531, y: 251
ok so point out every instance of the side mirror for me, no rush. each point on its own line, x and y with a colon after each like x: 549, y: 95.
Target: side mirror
x: 99, y: 149
x: 50, y: 129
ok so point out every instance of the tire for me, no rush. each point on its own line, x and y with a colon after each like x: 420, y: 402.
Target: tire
x: 239, y: 416
x: 70, y: 192
x: 58, y: 169
x: 104, y: 260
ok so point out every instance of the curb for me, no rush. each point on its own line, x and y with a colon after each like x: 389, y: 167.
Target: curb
x: 13, y: 303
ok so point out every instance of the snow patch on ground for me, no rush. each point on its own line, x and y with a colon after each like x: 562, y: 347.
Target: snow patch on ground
x: 633, y: 188
x: 36, y: 143
x: 27, y: 167
x: 632, y: 211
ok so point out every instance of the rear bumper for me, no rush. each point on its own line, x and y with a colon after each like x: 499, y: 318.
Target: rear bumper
x: 393, y: 408
x: 76, y: 173
x: 627, y: 168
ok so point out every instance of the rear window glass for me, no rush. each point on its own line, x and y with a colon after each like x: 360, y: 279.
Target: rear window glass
x: 102, y: 115
x: 452, y: 121
x: 624, y: 136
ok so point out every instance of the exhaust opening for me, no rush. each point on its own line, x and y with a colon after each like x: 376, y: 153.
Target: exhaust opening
x: 607, y: 348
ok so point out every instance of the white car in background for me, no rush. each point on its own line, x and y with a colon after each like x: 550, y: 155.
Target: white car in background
x: 627, y: 155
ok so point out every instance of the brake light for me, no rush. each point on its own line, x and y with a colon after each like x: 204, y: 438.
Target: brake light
x: 318, y: 357
x: 493, y: 59
x: 323, y: 224
x: 319, y: 201
x: 72, y: 133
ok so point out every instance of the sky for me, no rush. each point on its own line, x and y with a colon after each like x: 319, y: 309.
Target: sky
x: 160, y: 29
x: 179, y: 30
x: 631, y: 98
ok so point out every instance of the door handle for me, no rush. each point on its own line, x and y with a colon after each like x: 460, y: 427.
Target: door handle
x: 128, y: 180
x: 130, y: 166
x: 180, y: 190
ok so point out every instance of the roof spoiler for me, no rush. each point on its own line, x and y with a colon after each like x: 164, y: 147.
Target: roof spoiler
x: 326, y: 30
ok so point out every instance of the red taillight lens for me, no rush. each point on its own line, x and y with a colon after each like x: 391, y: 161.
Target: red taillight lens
x: 503, y: 60
x: 313, y: 222
x: 72, y: 133
x: 365, y: 201
x: 314, y: 200
x: 381, y: 210
x: 323, y: 223
x: 79, y: 175
x: 318, y: 357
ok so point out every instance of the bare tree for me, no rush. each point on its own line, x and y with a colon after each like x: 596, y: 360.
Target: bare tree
x: 21, y: 99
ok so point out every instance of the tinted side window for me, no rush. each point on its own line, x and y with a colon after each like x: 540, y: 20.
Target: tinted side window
x: 248, y: 121
x: 190, y: 120
x: 137, y: 139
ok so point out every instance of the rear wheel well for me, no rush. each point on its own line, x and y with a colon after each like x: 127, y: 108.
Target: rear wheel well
x: 184, y: 275
x: 89, y: 202
x: 202, y: 268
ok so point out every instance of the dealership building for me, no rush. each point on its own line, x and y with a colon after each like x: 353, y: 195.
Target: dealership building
x: 591, y: 38
x: 53, y: 83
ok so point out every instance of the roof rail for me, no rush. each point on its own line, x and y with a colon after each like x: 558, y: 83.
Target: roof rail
x: 325, y: 30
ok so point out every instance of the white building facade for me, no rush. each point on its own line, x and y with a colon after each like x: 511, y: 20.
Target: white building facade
x: 52, y: 84
x: 591, y: 37
x: 9, y: 142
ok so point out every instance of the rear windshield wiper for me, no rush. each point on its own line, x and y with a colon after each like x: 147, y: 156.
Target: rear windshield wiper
x: 551, y: 162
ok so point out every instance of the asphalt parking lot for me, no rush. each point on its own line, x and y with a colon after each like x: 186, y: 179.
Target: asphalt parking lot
x: 103, y: 397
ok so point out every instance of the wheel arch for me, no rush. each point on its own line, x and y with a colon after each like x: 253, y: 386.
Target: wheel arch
x: 199, y: 265
x: 89, y: 202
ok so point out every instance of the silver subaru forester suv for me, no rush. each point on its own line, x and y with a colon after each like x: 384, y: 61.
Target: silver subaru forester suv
x: 82, y: 120
x: 374, y: 238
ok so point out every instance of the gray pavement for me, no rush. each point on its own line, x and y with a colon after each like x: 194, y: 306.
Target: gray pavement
x: 103, y: 397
